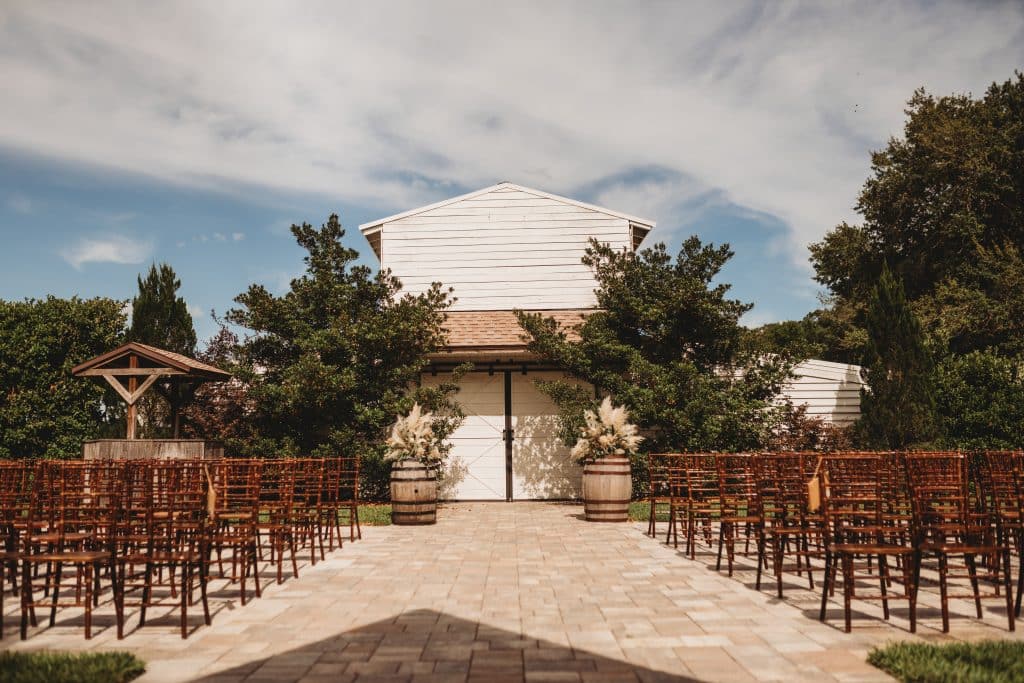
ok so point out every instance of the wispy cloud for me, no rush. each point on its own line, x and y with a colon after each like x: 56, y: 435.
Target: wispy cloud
x: 19, y: 203
x: 108, y: 249
x: 237, y: 236
x: 771, y: 106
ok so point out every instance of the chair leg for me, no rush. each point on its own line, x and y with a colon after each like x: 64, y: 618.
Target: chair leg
x: 883, y: 580
x: 90, y: 568
x: 1020, y: 584
x: 847, y: 591
x: 1007, y: 585
x: 911, y: 594
x: 186, y: 572
x: 943, y: 592
x: 57, y: 576
x: 147, y: 591
x: 26, y: 596
x: 830, y: 572
x: 972, y: 572
x: 203, y: 573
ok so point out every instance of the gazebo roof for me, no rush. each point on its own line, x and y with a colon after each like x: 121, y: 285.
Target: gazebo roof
x: 167, y: 362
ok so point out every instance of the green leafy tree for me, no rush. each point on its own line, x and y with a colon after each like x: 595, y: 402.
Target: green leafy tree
x: 982, y: 402
x: 898, y: 405
x: 44, y: 411
x: 330, y: 363
x: 159, y: 316
x: 665, y: 342
x: 940, y: 198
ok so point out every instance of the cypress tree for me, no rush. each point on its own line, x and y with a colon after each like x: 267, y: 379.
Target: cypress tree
x: 159, y: 316
x: 898, y: 404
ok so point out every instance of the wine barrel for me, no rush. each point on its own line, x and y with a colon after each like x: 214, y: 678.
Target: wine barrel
x: 413, y: 493
x: 607, y: 488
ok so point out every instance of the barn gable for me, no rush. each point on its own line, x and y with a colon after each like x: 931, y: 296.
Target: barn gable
x: 502, y: 247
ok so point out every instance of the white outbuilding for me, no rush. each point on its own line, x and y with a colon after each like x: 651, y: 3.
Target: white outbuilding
x: 502, y: 248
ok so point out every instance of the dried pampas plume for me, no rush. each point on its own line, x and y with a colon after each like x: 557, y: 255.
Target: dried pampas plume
x: 607, y: 432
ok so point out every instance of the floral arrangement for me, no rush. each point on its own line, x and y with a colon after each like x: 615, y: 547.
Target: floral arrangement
x: 412, y: 438
x: 606, y: 433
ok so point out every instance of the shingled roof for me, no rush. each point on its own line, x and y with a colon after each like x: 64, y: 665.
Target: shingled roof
x: 176, y: 363
x: 499, y: 330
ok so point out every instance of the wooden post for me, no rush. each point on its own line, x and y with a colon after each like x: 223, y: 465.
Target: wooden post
x: 175, y: 403
x: 133, y: 362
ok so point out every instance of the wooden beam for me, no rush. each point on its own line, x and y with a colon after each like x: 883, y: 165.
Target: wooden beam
x: 137, y: 394
x: 99, y: 372
x: 119, y: 388
x: 133, y: 362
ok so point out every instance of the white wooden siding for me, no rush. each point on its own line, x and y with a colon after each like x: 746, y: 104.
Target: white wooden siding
x: 830, y: 391
x: 502, y: 249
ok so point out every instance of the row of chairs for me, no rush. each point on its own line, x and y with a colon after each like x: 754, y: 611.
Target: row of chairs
x: 152, y: 530
x: 878, y: 517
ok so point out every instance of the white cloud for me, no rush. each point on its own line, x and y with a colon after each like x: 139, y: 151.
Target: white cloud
x: 238, y: 236
x: 769, y: 106
x: 196, y: 312
x: 19, y: 203
x: 108, y: 249
x: 219, y: 237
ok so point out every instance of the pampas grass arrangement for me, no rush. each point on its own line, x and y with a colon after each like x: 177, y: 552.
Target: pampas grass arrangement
x: 607, y: 432
x: 412, y: 438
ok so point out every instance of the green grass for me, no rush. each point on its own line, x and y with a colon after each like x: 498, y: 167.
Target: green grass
x: 58, y: 667
x: 375, y: 514
x: 990, y: 661
x: 639, y: 510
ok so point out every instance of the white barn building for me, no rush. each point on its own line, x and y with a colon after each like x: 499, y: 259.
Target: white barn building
x: 501, y: 248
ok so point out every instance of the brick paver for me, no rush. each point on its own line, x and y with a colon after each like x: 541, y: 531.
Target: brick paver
x: 517, y: 592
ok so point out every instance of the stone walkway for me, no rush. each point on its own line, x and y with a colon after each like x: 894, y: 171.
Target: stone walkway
x: 524, y: 591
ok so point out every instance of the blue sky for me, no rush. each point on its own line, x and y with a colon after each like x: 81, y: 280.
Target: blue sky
x: 196, y: 133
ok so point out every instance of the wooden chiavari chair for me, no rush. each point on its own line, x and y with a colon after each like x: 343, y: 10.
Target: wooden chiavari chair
x: 307, y: 510
x: 788, y: 528
x: 693, y: 484
x: 348, y: 493
x: 277, y: 513
x: 175, y: 539
x: 15, y: 499
x: 659, y: 491
x: 71, y: 524
x: 999, y: 480
x: 234, y: 517
x: 854, y: 516
x: 947, y: 524
x: 738, y: 504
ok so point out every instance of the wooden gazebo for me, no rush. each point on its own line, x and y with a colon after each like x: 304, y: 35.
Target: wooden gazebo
x: 132, y: 369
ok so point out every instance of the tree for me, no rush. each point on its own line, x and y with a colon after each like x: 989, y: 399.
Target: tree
x: 939, y: 198
x: 330, y: 363
x: 898, y: 405
x: 159, y: 316
x: 982, y: 402
x: 665, y: 342
x: 44, y: 411
x: 221, y: 410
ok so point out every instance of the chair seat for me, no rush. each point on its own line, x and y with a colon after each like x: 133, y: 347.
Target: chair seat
x: 162, y: 557
x: 872, y: 549
x: 54, y: 536
x: 959, y: 548
x: 76, y: 557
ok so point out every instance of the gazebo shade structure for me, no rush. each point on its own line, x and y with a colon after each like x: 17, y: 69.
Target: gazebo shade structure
x: 133, y: 368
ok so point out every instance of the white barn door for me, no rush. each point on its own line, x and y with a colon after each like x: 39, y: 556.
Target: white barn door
x: 476, y: 465
x: 541, y: 468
